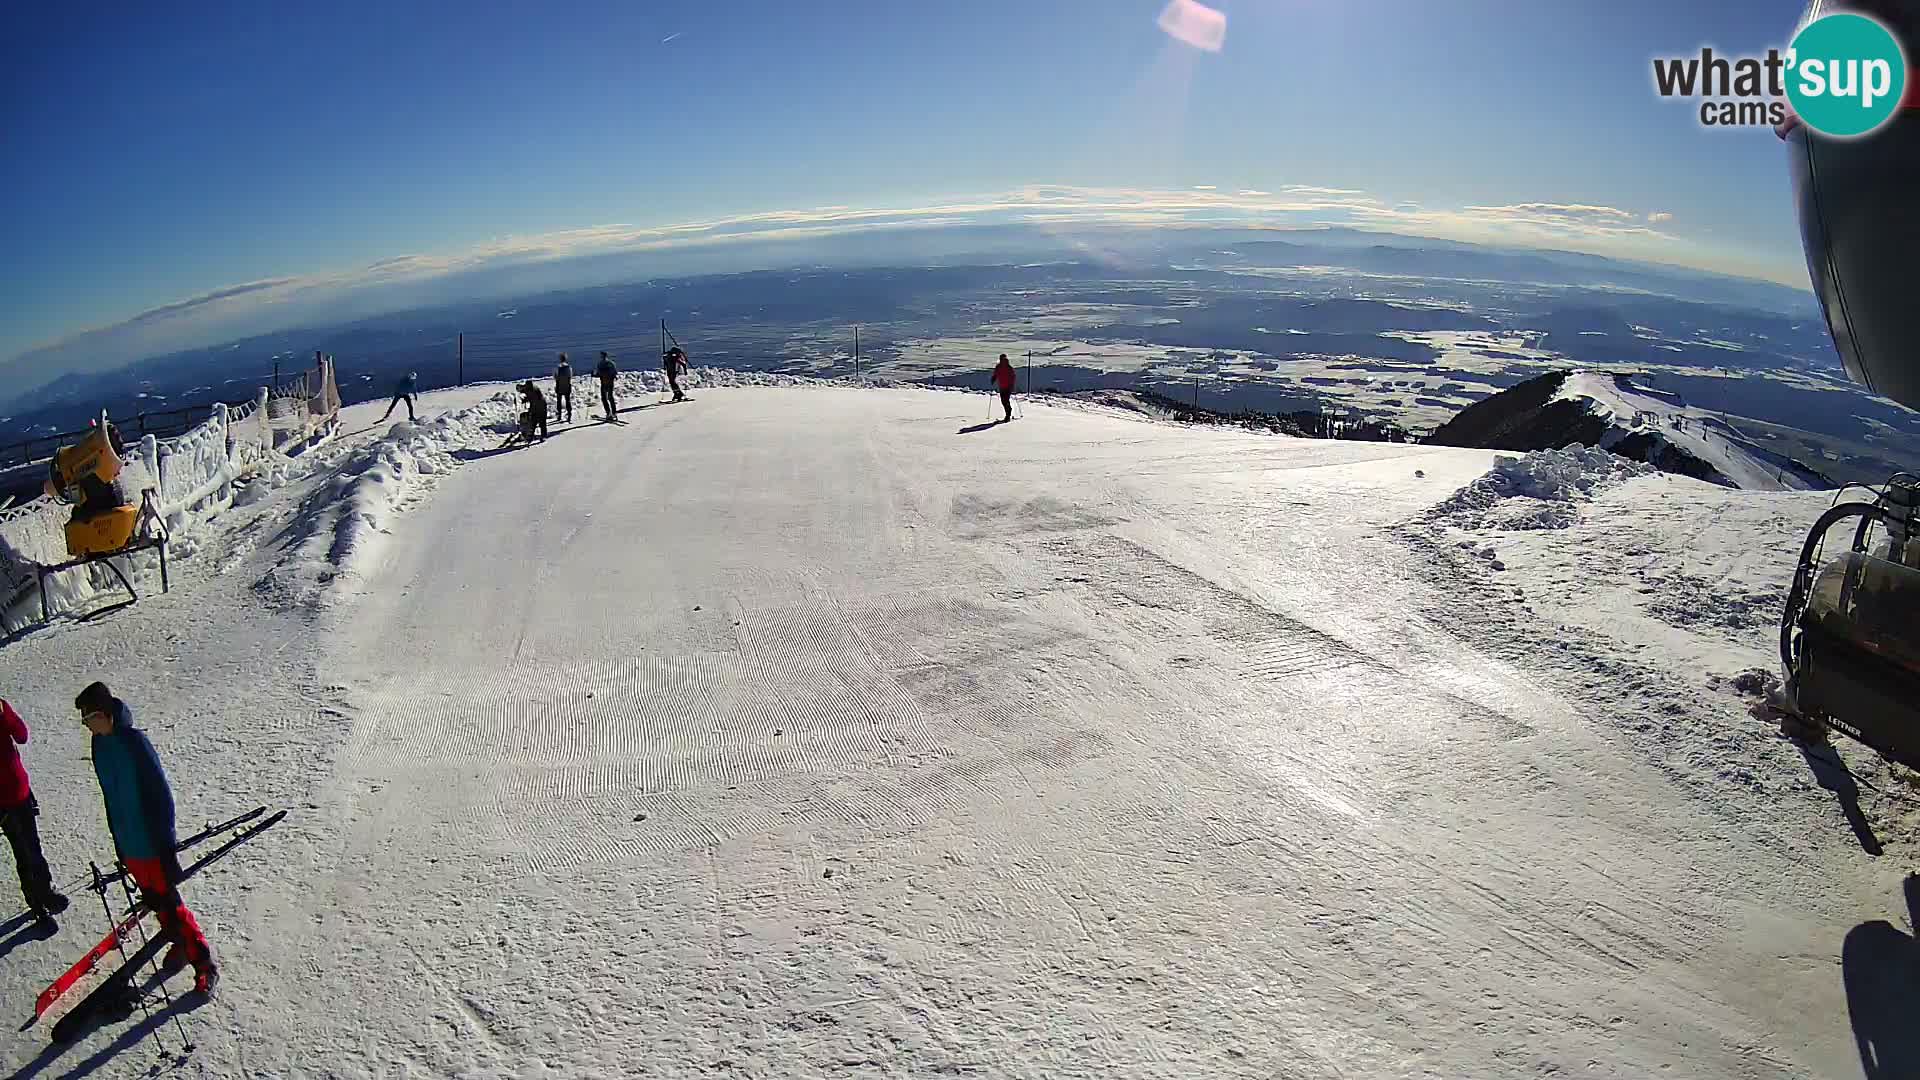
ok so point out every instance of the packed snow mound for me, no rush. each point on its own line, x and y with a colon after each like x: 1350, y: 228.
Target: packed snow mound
x: 1564, y: 475
x: 339, y: 529
x: 1539, y: 490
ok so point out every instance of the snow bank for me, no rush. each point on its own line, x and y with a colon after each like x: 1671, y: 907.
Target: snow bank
x: 341, y: 527
x: 1540, y: 490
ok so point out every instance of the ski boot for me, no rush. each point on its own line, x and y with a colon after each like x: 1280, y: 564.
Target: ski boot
x: 46, y: 909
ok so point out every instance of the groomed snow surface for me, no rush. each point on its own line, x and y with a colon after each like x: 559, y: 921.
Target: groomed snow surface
x: 810, y: 730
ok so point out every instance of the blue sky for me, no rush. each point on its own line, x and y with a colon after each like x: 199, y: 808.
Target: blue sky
x: 162, y: 152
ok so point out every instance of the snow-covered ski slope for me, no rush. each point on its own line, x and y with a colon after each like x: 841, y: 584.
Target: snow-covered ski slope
x: 1639, y: 410
x: 815, y: 731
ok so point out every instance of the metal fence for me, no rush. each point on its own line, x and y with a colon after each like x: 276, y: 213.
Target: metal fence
x: 165, y: 424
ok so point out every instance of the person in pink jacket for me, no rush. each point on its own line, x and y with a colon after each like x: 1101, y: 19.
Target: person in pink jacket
x: 18, y: 809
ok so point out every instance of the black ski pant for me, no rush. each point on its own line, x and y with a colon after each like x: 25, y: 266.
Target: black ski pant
x: 673, y: 380
x: 23, y: 835
x: 397, y: 399
x: 606, y: 398
x: 1006, y: 402
x: 563, y: 403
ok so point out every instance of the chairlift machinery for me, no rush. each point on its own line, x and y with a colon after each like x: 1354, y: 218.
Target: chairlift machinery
x: 1850, y: 633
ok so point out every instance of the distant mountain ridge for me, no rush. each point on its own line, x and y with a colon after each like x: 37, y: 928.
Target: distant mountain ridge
x: 1610, y: 411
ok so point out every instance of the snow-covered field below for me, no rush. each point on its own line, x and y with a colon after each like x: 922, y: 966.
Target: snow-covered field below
x: 830, y: 731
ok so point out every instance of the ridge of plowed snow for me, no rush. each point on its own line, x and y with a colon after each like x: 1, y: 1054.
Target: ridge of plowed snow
x: 1538, y: 490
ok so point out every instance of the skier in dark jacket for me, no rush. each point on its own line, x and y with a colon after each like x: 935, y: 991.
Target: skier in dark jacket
x: 140, y: 817
x: 1004, y: 377
x: 563, y: 390
x: 18, y: 808
x: 535, y: 418
x: 675, y: 362
x: 404, y: 391
x: 607, y: 373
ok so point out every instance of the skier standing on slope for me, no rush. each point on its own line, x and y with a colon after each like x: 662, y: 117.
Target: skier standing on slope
x: 563, y: 390
x: 607, y: 373
x: 140, y: 817
x: 18, y: 808
x: 535, y: 418
x: 675, y: 361
x: 1004, y: 377
x: 404, y: 391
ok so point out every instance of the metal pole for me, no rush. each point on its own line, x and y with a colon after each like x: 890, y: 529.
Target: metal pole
x: 126, y: 886
x: 460, y: 344
x: 1196, y: 399
x: 856, y: 350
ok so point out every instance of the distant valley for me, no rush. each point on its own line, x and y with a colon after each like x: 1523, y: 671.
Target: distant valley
x: 1395, y: 329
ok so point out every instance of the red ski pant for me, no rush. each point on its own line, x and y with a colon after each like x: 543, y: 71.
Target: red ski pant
x: 155, y: 878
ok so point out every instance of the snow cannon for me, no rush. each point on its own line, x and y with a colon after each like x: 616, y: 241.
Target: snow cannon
x: 86, y: 475
x: 1850, y: 635
x: 1860, y: 222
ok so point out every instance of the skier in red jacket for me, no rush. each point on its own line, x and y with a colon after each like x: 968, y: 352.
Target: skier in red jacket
x: 1003, y: 377
x: 18, y: 809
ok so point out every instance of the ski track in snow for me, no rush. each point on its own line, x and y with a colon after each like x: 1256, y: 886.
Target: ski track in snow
x: 792, y: 734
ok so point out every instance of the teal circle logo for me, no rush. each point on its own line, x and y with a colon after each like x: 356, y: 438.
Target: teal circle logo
x: 1846, y: 75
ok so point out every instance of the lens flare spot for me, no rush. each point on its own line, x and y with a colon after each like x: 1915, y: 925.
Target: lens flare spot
x: 1195, y: 24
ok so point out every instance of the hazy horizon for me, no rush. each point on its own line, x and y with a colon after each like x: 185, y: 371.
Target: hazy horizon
x: 1106, y: 227
x: 217, y: 163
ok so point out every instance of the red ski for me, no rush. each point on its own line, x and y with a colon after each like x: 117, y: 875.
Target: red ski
x: 86, y: 964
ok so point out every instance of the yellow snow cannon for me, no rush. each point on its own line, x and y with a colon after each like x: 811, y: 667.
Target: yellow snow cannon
x: 86, y: 475
x: 1850, y: 635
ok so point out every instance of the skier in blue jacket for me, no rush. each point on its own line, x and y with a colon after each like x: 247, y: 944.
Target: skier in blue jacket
x: 140, y: 817
x: 404, y: 391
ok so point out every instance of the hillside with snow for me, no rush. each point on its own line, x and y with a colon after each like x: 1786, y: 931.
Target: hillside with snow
x: 818, y: 730
x: 1628, y: 418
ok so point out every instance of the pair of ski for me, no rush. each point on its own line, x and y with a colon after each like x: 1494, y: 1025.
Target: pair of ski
x: 116, y: 985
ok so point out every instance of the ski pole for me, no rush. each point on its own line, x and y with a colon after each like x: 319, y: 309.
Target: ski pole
x: 186, y: 1043
x: 100, y: 888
